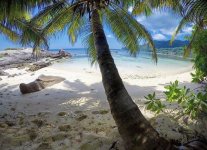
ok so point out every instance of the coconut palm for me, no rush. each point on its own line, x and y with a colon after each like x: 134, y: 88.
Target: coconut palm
x: 192, y: 11
x: 14, y: 13
x: 86, y: 18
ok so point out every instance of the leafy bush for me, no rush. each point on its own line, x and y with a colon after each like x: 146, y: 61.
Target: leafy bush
x: 172, y: 92
x: 154, y: 104
x: 176, y: 94
x: 199, y: 48
x: 198, y: 76
x: 192, y: 104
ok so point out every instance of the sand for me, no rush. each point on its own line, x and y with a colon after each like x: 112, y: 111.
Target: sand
x: 74, y: 114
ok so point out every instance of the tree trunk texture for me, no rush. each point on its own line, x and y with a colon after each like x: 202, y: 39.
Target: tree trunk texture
x: 134, y: 129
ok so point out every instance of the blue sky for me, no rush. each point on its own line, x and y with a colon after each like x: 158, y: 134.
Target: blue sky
x: 161, y: 26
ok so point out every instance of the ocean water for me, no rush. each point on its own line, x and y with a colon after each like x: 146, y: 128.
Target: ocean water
x: 142, y: 65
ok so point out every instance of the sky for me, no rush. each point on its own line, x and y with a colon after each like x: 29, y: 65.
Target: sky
x: 161, y: 25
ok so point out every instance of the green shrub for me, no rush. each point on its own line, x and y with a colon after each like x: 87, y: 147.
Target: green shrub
x: 154, y: 104
x: 199, y: 49
x: 193, y: 104
x: 198, y: 76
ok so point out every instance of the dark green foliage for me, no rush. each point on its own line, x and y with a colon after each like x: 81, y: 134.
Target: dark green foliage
x: 176, y: 94
x: 172, y: 92
x: 154, y: 104
x: 198, y: 76
x: 199, y: 47
x: 196, y: 105
x: 193, y: 104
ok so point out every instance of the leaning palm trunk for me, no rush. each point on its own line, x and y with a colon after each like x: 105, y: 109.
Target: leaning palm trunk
x: 134, y: 129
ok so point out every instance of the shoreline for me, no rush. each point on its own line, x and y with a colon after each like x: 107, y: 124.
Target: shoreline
x: 75, y: 113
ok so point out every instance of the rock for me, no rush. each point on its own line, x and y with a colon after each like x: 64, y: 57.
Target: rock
x: 65, y: 127
x: 61, y: 54
x: 2, y: 73
x: 41, y: 83
x: 0, y: 79
x: 31, y: 87
x: 40, y: 65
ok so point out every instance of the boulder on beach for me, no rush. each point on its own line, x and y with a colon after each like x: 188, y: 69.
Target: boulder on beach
x: 40, y: 83
x: 61, y: 54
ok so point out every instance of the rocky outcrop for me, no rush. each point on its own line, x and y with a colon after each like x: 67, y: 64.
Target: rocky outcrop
x: 61, y: 54
x: 41, y: 83
x: 13, y: 58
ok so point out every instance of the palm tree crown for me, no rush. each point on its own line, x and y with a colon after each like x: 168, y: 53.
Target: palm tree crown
x: 74, y: 18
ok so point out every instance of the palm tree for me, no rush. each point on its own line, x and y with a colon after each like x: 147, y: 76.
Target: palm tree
x: 135, y: 130
x: 192, y: 11
x: 86, y: 18
x: 14, y: 16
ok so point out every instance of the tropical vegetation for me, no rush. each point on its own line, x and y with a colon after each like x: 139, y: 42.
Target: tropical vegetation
x: 193, y: 104
x: 86, y: 18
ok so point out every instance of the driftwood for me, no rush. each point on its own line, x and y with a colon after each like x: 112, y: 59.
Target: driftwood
x: 39, y: 65
x: 40, y: 83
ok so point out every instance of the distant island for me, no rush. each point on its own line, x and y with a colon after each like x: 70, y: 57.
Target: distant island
x: 166, y: 44
x: 164, y: 48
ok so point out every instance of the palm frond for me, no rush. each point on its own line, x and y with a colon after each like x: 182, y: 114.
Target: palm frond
x: 9, y: 32
x: 142, y: 8
x: 128, y: 30
x: 48, y: 12
x: 32, y: 34
x: 74, y: 28
x: 187, y: 50
x: 88, y: 42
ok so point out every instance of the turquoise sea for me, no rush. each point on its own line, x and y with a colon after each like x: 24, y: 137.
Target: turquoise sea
x: 142, y: 65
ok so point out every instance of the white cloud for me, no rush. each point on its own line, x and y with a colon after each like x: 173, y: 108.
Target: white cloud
x: 167, y: 31
x: 141, y: 19
x: 162, y: 24
x: 159, y: 37
x: 109, y: 36
x: 130, y: 9
x: 187, y: 30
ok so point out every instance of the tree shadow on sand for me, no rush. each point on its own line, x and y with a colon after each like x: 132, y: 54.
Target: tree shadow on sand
x: 86, y: 110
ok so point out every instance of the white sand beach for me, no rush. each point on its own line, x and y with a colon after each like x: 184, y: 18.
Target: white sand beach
x: 75, y: 114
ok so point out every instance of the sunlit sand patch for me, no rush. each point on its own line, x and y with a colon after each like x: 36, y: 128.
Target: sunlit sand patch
x: 76, y: 102
x: 81, y: 102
